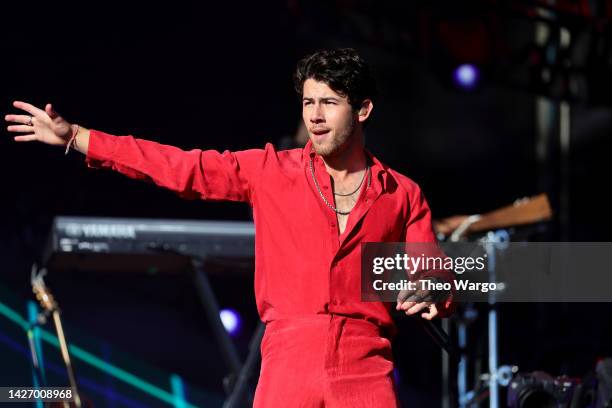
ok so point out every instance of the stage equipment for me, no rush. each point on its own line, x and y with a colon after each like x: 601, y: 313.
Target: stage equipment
x: 522, y: 213
x: 164, y: 246
x: 540, y: 390
x: 604, y: 380
x: 144, y: 245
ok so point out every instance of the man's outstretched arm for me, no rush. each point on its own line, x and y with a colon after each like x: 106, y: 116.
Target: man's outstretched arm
x: 204, y: 174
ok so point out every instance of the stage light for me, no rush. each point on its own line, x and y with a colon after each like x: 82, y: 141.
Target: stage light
x: 466, y: 76
x: 231, y: 320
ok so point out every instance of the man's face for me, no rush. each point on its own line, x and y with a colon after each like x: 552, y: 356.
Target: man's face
x: 329, y: 117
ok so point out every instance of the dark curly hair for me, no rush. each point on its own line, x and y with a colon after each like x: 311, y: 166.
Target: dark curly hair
x: 343, y: 70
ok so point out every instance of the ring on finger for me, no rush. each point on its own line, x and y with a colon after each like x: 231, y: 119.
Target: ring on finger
x: 29, y: 121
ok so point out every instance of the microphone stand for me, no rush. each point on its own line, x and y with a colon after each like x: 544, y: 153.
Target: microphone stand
x: 50, y: 306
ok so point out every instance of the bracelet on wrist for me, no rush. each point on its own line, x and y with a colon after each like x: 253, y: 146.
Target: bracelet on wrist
x: 72, y: 140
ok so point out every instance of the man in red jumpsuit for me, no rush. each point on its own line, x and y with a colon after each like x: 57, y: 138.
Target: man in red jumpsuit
x: 312, y: 207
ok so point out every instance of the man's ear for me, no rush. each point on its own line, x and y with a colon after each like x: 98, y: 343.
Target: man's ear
x: 365, y: 110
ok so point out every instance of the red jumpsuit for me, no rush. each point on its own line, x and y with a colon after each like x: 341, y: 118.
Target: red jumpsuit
x: 323, y: 346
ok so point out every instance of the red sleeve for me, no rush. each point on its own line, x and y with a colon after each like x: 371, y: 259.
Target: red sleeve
x: 419, y: 230
x: 204, y: 174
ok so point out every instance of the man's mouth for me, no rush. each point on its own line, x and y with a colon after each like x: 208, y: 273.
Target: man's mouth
x: 320, y: 131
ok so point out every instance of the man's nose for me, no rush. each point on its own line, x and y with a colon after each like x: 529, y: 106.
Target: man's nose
x: 317, y: 114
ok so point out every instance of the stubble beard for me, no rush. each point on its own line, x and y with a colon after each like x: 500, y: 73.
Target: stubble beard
x: 336, y: 145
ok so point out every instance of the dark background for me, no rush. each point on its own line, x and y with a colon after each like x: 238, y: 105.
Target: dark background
x: 219, y: 75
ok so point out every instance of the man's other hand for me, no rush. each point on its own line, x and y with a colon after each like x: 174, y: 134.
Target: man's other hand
x: 414, y: 301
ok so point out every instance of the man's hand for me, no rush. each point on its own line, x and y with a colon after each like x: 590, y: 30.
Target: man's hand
x: 45, y: 126
x: 414, y: 301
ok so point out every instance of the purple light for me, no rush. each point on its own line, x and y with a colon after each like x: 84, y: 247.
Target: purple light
x: 466, y: 76
x: 231, y: 321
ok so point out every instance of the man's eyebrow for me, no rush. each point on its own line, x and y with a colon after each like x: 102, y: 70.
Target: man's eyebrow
x: 323, y: 98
